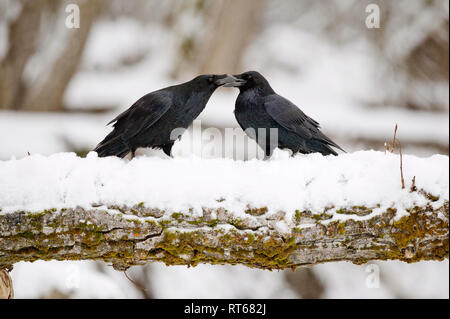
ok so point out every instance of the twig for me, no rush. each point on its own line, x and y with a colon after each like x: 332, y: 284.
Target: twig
x: 386, y: 149
x: 135, y: 283
x: 413, y: 185
x: 393, y: 140
x: 387, y: 146
x: 401, y: 164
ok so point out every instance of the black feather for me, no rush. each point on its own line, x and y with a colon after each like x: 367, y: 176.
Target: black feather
x: 150, y: 121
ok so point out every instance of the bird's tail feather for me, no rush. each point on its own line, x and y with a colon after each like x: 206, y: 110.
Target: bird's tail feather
x: 324, y: 139
x: 321, y: 147
x: 112, y: 146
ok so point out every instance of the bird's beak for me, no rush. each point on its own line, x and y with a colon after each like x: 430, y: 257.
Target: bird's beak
x: 230, y: 81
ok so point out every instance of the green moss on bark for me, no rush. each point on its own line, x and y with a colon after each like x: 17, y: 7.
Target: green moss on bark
x: 50, y: 235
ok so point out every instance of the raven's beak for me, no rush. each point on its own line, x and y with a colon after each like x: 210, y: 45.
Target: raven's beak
x: 230, y: 81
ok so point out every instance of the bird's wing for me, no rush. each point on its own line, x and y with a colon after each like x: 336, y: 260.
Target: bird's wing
x: 289, y: 116
x: 143, y: 113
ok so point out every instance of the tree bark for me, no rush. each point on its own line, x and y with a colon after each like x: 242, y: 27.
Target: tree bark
x: 126, y: 236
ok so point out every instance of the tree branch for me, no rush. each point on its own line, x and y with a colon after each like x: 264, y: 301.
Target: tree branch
x: 126, y: 236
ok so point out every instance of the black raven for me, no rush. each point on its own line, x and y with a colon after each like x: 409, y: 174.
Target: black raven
x: 152, y: 119
x: 259, y: 109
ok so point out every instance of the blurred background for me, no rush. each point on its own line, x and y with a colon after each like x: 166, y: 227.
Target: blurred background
x: 59, y: 86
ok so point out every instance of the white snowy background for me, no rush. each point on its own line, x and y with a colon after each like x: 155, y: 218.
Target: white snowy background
x: 343, y: 84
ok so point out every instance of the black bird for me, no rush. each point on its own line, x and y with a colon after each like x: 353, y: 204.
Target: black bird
x: 258, y: 109
x: 152, y: 119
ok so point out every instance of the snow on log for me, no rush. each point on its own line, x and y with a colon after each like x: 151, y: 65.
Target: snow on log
x: 276, y: 214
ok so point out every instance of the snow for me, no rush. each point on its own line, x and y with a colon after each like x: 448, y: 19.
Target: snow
x: 205, y: 281
x: 304, y: 182
x: 87, y: 279
x: 427, y: 279
x: 80, y: 279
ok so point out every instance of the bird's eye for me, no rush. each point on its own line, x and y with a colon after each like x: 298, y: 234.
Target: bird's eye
x: 211, y: 79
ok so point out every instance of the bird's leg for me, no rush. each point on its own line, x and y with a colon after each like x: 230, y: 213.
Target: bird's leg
x: 127, y: 145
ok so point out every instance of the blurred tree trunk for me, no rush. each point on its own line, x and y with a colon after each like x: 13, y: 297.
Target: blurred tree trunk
x: 48, y: 93
x: 305, y: 283
x: 413, y: 47
x: 426, y: 66
x: 216, y: 43
x: 236, y: 24
x: 23, y: 33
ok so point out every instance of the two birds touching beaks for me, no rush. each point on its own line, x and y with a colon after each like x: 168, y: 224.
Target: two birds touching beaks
x: 151, y: 120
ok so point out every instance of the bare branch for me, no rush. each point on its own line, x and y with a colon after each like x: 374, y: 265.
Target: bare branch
x: 401, y: 164
x: 394, y: 138
x: 413, y: 185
